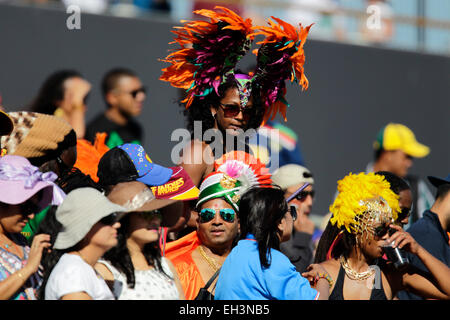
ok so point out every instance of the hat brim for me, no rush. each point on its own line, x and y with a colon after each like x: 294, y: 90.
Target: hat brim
x: 154, y: 205
x: 6, y: 124
x: 416, y: 150
x: 179, y: 187
x: 436, y: 181
x: 157, y: 176
x: 14, y: 192
x: 74, y: 233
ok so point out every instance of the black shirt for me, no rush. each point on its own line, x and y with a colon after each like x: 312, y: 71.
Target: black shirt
x: 428, y: 232
x: 117, y: 134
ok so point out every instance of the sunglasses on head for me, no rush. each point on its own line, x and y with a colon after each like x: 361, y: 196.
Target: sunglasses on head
x: 111, y: 219
x: 207, y: 214
x: 303, y: 194
x: 293, y: 212
x: 232, y: 110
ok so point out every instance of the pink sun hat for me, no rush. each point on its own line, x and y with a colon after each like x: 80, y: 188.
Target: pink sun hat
x: 20, y: 180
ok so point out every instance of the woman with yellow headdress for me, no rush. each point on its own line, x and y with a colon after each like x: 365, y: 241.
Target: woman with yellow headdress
x: 353, y: 244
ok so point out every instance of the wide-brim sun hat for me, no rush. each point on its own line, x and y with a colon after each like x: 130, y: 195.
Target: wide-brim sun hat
x: 19, y: 181
x: 79, y: 212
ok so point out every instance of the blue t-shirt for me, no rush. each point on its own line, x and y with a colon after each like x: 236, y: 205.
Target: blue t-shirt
x: 242, y: 277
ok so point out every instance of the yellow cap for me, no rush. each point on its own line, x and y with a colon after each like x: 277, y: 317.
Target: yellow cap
x: 396, y: 136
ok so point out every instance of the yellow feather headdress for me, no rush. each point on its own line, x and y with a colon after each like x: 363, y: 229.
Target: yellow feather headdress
x: 361, y: 195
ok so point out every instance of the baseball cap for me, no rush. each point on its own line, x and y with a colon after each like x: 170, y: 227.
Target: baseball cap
x: 130, y: 162
x: 291, y: 175
x: 396, y: 136
x: 179, y: 187
x: 437, y: 182
x: 6, y: 124
x: 79, y: 212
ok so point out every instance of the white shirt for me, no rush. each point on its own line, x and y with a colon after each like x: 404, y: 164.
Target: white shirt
x: 72, y: 274
x: 149, y: 284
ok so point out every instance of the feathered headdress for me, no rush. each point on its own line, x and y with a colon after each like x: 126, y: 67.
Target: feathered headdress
x: 234, y: 174
x: 280, y: 58
x: 362, y: 200
x: 210, y: 50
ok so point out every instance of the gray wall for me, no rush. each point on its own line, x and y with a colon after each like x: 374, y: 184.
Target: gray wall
x: 354, y: 90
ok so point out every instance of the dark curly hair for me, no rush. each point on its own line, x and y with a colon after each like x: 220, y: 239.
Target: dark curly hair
x: 120, y: 258
x: 260, y: 212
x: 200, y: 108
x: 52, y: 91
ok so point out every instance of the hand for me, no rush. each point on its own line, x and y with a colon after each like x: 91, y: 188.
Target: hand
x: 312, y: 271
x: 40, y: 242
x: 403, y: 239
x: 75, y: 94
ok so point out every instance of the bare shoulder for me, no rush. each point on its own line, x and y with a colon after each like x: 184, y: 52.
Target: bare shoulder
x: 198, y: 160
x: 332, y: 266
x: 104, y: 271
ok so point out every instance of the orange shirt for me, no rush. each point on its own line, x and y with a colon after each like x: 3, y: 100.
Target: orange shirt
x: 179, y: 252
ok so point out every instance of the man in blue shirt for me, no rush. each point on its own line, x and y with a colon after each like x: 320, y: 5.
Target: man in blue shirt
x: 431, y: 231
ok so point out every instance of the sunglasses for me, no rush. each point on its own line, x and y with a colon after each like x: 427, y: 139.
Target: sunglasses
x: 85, y: 99
x: 207, y: 214
x: 380, y: 231
x: 134, y: 93
x: 150, y: 215
x: 29, y: 207
x: 293, y: 212
x: 303, y: 194
x: 232, y: 110
x: 404, y: 213
x: 111, y: 219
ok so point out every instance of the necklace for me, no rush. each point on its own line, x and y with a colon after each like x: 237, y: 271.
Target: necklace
x: 354, y: 275
x: 9, y: 247
x: 212, y: 262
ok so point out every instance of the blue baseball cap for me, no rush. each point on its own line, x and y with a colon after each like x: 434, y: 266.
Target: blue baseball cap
x: 147, y: 172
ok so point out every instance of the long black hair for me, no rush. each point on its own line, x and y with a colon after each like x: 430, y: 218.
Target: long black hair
x: 52, y: 91
x: 119, y: 256
x: 343, y: 247
x: 51, y: 226
x: 260, y: 213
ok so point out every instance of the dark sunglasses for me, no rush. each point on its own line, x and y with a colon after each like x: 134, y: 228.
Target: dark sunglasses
x: 111, y: 219
x: 303, y: 194
x: 380, y: 231
x: 29, y: 207
x: 207, y: 214
x: 404, y: 213
x: 134, y: 93
x: 85, y: 99
x: 293, y: 212
x: 232, y: 110
x: 149, y: 215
